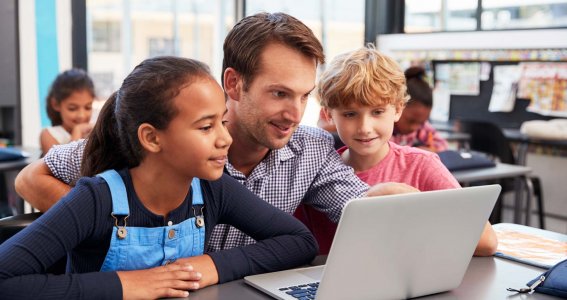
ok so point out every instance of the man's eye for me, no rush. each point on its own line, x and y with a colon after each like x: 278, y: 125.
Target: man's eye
x: 278, y: 94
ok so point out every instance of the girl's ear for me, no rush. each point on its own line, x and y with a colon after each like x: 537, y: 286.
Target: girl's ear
x: 148, y: 137
x: 232, y: 83
x: 56, y: 106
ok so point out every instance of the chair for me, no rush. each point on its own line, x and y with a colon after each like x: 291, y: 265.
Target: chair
x: 9, y: 226
x: 489, y: 138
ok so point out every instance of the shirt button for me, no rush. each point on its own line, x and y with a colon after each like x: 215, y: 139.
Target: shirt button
x: 171, y: 233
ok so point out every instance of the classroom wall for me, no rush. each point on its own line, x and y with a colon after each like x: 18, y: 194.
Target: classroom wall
x: 549, y: 168
x: 45, y: 50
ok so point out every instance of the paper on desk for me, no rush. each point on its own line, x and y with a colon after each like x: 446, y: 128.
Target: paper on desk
x: 530, y: 249
x: 505, y: 87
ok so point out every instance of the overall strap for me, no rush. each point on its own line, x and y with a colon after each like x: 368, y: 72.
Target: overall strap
x: 117, y: 191
x: 197, y: 194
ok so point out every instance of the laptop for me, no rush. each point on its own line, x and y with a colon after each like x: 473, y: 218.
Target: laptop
x: 393, y: 247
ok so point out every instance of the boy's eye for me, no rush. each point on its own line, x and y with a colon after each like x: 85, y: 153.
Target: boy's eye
x: 378, y: 112
x: 349, y: 114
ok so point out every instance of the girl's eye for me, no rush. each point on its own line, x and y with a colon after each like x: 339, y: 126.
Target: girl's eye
x: 206, y: 128
x: 224, y: 122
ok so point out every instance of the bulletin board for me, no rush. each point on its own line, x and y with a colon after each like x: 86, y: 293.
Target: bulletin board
x: 467, y: 104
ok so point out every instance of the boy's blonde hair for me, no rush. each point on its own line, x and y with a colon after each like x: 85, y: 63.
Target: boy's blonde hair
x: 365, y: 77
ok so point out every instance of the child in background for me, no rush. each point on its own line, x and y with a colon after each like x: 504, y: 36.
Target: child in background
x: 69, y: 107
x: 138, y: 229
x: 363, y: 93
x: 413, y: 128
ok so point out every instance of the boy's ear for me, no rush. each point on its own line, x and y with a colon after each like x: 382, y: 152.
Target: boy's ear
x: 232, y: 83
x: 326, y: 113
x: 148, y: 137
x: 399, y: 111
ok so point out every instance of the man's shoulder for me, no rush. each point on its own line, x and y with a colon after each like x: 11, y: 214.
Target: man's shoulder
x: 311, y: 134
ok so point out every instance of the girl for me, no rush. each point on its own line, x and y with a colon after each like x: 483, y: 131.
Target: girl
x: 69, y: 107
x: 145, y: 221
x: 413, y: 128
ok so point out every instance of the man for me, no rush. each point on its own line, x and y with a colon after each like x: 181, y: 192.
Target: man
x: 269, y: 70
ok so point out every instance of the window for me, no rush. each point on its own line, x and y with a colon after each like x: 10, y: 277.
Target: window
x: 123, y: 33
x: 499, y: 14
x: 106, y: 36
x: 339, y: 25
x: 461, y: 15
x: 161, y: 46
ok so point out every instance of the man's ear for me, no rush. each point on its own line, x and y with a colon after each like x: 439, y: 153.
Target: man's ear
x: 232, y: 83
x: 148, y: 137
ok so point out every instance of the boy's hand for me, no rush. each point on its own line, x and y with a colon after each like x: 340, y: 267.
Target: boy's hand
x: 390, y: 188
x: 169, y: 281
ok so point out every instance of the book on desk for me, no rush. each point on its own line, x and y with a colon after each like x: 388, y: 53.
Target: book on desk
x: 531, y: 246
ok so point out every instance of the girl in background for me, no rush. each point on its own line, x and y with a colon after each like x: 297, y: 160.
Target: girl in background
x: 138, y: 229
x: 69, y: 107
x: 413, y: 128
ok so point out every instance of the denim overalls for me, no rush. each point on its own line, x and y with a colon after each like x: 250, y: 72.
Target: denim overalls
x: 136, y: 248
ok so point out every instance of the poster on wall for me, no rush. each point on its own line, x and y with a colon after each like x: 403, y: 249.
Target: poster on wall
x: 545, y: 84
x: 460, y: 78
x: 504, y: 90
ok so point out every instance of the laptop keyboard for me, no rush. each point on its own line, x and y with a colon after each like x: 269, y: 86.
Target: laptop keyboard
x: 302, y: 292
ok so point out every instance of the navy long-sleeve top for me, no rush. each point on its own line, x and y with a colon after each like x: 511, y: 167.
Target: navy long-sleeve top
x: 80, y: 225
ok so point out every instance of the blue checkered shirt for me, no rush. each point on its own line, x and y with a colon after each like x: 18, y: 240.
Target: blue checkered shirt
x: 307, y: 169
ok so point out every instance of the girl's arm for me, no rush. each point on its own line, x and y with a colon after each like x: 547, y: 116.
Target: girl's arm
x: 79, y: 217
x: 282, y: 241
x: 47, y: 141
x: 25, y: 257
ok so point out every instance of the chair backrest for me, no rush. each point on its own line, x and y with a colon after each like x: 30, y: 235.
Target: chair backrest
x: 489, y: 138
x: 12, y: 225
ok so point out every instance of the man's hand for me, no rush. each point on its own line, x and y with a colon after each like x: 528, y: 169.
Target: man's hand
x: 390, y: 188
x: 169, y: 281
x: 204, y: 265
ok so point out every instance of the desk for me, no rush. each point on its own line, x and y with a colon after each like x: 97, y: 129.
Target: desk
x: 499, y: 172
x: 8, y: 172
x: 486, y: 278
x: 514, y: 135
x: 461, y: 138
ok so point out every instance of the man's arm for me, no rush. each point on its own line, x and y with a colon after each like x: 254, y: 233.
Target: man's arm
x: 37, y: 185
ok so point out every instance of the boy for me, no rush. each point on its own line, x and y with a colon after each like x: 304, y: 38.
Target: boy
x: 364, y: 93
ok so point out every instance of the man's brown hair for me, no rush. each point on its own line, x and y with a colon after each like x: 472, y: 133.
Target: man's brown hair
x: 248, y: 38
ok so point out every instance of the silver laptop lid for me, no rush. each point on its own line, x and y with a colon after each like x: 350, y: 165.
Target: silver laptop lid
x: 406, y: 245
